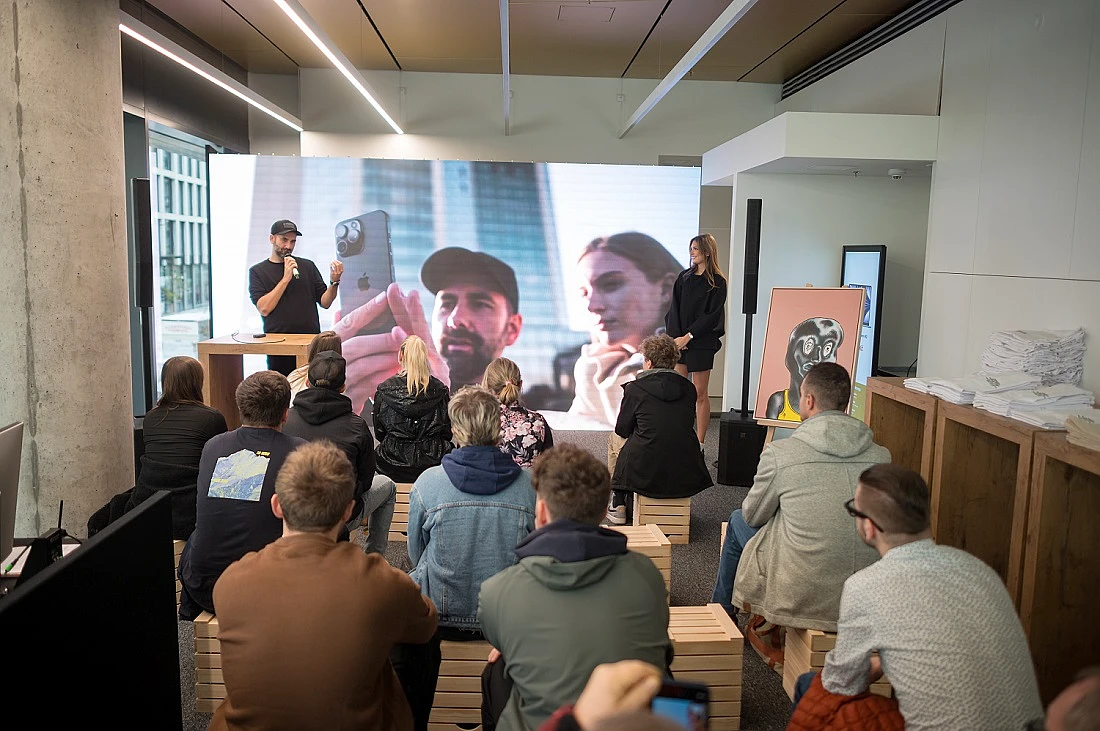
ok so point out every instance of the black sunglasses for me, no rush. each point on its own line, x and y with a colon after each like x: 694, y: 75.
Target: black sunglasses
x: 850, y: 506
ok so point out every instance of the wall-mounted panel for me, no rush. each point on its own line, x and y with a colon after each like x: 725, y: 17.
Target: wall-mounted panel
x: 1085, y: 262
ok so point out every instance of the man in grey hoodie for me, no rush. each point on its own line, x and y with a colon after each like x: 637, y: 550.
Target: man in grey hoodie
x: 791, y: 544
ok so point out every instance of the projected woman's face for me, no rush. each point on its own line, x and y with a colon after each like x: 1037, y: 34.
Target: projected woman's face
x: 625, y: 306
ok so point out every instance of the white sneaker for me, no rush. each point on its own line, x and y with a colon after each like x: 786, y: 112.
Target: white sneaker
x: 616, y: 515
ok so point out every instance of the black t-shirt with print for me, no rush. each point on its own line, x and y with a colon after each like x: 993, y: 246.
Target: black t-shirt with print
x: 297, y: 308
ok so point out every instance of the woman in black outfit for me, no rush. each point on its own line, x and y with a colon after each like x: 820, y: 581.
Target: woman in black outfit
x: 410, y: 416
x: 696, y: 321
x: 175, y: 432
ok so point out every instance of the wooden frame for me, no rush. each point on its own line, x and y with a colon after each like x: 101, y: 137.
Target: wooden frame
x: 458, y: 690
x: 980, y: 486
x: 672, y: 516
x: 649, y: 541
x: 903, y: 421
x: 399, y: 526
x: 209, y: 683
x: 221, y: 358
x: 1060, y: 594
x: 709, y: 650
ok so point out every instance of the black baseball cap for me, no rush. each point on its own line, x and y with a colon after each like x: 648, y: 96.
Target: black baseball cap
x: 446, y: 265
x: 328, y: 369
x: 283, y: 226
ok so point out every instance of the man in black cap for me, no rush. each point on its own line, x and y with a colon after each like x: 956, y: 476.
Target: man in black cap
x: 476, y: 310
x: 285, y: 290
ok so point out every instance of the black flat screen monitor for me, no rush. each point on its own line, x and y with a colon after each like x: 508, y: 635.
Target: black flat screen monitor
x: 865, y: 267
x: 11, y: 451
x: 94, y: 635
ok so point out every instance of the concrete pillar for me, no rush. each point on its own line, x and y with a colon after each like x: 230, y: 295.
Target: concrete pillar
x: 64, y: 337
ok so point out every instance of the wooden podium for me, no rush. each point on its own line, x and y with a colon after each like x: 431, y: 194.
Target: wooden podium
x: 221, y: 359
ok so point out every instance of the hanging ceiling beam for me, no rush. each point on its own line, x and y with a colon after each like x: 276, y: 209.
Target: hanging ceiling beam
x: 319, y: 38
x: 142, y: 33
x: 729, y: 17
x: 505, y: 63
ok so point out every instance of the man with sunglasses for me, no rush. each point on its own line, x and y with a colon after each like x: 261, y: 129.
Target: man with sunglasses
x: 796, y: 539
x: 942, y: 622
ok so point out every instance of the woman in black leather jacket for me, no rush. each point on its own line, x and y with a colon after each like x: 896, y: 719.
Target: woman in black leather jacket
x: 410, y: 416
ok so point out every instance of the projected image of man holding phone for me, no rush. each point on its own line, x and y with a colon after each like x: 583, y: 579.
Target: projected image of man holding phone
x: 474, y: 319
x: 286, y: 290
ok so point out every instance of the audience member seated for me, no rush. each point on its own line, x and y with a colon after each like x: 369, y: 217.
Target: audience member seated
x: 524, y: 434
x: 467, y: 515
x: 1077, y: 708
x: 306, y: 623
x: 661, y: 457
x: 942, y: 622
x: 174, y: 433
x: 798, y: 542
x: 236, y: 481
x: 322, y: 411
x: 578, y: 598
x: 410, y: 416
x: 328, y: 340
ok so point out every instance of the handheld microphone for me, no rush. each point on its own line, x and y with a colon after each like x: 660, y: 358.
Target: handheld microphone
x: 295, y: 272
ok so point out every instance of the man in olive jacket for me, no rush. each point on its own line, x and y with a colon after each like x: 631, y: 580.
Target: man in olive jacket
x: 795, y: 534
x: 576, y: 599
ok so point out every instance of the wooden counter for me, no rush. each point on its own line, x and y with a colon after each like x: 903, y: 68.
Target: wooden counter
x: 221, y: 359
x: 903, y: 421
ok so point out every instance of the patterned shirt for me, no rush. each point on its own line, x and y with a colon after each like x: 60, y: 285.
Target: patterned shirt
x: 948, y: 636
x: 524, y: 434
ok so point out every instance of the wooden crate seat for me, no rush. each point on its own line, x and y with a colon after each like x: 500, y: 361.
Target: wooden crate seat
x: 673, y: 516
x: 399, y: 527
x: 805, y: 650
x: 457, y: 704
x: 209, y: 683
x: 177, y: 549
x: 709, y: 650
x: 649, y: 541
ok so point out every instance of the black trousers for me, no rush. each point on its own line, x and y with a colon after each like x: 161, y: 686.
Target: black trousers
x: 284, y: 364
x: 417, y: 667
x: 496, y: 688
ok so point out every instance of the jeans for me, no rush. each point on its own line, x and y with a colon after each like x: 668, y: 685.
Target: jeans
x: 738, y: 533
x: 378, y: 503
x: 805, y: 680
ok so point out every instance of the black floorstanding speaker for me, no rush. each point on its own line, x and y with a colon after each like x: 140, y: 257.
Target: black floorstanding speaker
x: 740, y: 438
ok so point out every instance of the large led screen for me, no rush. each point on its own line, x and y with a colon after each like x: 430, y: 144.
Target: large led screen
x: 563, y: 268
x: 864, y: 267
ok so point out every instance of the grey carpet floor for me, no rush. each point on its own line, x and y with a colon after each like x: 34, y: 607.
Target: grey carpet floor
x: 764, y: 704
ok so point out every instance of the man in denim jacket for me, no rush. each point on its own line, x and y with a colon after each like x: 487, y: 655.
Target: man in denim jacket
x: 467, y: 515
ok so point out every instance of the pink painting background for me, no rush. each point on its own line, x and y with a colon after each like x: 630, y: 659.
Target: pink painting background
x: 792, y: 305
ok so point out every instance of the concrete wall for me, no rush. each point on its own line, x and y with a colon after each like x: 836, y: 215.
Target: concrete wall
x: 554, y: 119
x: 806, y: 220
x: 64, y: 346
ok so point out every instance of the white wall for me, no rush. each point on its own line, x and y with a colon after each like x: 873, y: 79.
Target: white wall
x: 554, y: 119
x: 1014, y: 230
x: 805, y: 222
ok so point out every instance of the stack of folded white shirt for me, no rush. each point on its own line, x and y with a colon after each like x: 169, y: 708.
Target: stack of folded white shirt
x: 1054, y: 418
x: 917, y: 384
x: 965, y: 390
x: 1059, y: 396
x: 1056, y: 356
x: 1084, y: 430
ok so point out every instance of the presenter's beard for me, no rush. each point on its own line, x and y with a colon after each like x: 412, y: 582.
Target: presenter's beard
x: 466, y: 356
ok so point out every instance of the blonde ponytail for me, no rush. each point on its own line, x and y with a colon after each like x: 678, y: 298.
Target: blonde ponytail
x: 413, y: 357
x: 503, y: 379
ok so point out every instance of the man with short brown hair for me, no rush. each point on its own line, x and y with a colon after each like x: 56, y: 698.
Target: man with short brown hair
x: 578, y: 597
x: 236, y: 481
x: 306, y: 624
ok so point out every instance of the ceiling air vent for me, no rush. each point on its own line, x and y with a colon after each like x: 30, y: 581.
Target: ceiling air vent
x: 585, y: 13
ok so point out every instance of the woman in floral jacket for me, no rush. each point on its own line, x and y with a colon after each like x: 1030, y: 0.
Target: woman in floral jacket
x: 524, y: 434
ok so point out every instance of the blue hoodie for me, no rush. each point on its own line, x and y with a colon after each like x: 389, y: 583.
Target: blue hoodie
x: 466, y: 517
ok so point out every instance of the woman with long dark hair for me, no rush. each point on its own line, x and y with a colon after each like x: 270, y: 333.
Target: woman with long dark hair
x: 696, y: 322
x: 410, y: 416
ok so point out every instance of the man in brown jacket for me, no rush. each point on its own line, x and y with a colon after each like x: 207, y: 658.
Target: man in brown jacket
x: 307, y: 624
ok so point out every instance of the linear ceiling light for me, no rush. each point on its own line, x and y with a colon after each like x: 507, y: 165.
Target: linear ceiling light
x: 729, y: 17
x: 162, y: 45
x: 505, y: 66
x: 324, y: 44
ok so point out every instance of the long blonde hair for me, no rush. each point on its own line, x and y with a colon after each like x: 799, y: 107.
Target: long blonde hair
x: 413, y: 357
x: 709, y: 245
x: 502, y: 377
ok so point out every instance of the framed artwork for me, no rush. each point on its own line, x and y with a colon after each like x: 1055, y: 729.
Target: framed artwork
x: 806, y: 325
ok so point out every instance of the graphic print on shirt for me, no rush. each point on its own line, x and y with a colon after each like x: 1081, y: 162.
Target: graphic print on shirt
x: 240, y: 476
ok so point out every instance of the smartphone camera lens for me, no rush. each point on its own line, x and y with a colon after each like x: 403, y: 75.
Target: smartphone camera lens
x: 349, y: 238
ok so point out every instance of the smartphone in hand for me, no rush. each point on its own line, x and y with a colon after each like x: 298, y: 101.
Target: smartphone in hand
x: 686, y: 704
x: 363, y: 246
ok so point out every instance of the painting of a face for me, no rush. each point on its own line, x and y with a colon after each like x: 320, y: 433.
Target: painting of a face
x: 813, y: 341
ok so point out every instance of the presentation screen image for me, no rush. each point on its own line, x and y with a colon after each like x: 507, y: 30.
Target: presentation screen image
x: 864, y: 267
x: 563, y: 268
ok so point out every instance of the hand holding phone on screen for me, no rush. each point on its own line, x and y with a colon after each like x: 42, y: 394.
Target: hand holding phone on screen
x: 372, y: 358
x: 363, y: 249
x: 687, y: 704
x: 616, y: 688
